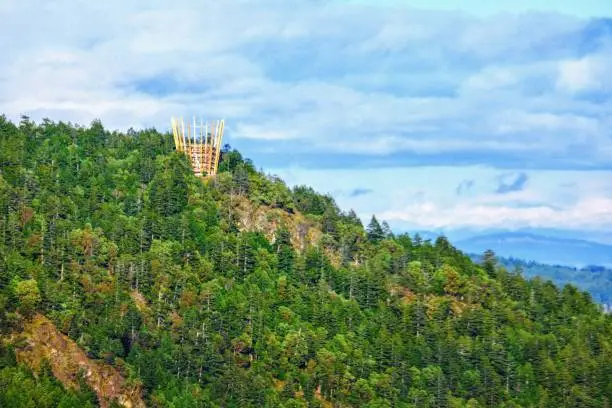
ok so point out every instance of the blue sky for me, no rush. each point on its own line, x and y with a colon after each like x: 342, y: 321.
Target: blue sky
x: 586, y: 9
x: 433, y: 114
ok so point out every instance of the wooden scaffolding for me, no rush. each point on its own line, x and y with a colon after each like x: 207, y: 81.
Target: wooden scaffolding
x: 201, y: 142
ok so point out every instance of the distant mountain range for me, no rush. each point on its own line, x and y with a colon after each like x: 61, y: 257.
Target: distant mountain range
x: 597, y: 280
x: 539, y: 248
x: 583, y: 263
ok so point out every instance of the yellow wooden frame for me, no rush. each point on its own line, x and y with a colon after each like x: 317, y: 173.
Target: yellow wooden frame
x: 203, y: 150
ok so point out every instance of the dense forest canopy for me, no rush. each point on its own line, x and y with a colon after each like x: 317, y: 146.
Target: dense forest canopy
x: 597, y: 280
x: 149, y: 269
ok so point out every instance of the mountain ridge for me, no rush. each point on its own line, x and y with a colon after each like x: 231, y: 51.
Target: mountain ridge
x: 541, y: 248
x: 239, y: 291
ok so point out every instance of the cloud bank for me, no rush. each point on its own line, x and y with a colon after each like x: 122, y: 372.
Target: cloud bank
x: 468, y: 197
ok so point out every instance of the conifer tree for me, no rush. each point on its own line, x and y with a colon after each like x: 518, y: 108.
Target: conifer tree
x: 375, y: 231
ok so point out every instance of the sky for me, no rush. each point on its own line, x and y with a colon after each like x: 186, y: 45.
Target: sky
x: 445, y: 115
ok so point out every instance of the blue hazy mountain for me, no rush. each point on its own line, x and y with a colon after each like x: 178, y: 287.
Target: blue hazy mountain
x: 597, y: 280
x: 540, y: 248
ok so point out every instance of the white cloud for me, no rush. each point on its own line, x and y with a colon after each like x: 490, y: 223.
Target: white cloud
x: 520, y: 122
x: 592, y: 213
x: 426, y: 197
x: 590, y: 73
x: 252, y: 132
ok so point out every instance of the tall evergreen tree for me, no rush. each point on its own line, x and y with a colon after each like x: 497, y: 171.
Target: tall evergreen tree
x: 375, y: 231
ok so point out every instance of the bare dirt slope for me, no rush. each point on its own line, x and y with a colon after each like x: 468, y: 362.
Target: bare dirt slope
x: 41, y: 340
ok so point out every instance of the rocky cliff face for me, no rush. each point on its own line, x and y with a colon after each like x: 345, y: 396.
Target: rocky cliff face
x: 267, y: 220
x: 41, y: 340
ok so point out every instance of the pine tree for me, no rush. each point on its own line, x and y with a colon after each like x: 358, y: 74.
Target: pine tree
x: 375, y: 231
x: 387, y: 230
x: 489, y: 262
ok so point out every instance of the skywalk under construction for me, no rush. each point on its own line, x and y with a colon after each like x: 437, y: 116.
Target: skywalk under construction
x: 201, y: 142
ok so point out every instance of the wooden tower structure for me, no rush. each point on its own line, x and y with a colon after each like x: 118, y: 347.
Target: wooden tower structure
x: 201, y: 142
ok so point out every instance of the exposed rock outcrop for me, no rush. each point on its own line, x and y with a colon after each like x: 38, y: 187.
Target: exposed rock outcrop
x: 41, y: 340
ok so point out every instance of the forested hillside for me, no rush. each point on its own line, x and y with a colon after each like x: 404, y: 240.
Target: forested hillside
x: 597, y: 280
x: 161, y: 277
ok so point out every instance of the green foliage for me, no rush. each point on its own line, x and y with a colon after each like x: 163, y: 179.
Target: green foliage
x: 144, y: 266
x: 20, y: 388
x: 309, y: 202
x: 28, y: 296
x: 597, y: 280
x: 375, y: 231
